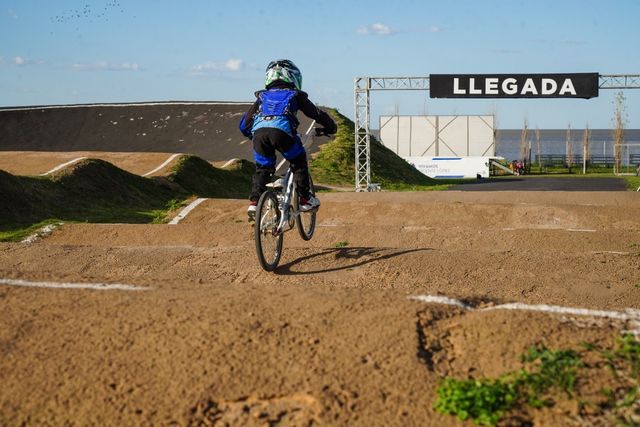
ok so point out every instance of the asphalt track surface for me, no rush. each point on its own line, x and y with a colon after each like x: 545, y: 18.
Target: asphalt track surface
x: 207, y: 130
x: 529, y: 183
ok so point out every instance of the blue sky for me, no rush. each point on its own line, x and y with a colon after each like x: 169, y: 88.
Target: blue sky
x: 59, y: 52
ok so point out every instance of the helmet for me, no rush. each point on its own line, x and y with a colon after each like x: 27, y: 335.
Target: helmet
x: 283, y: 70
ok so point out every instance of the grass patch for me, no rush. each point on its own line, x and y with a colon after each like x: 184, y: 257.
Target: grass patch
x: 17, y: 233
x: 486, y: 401
x: 633, y: 182
x: 98, y: 192
x: 546, y: 372
x: 196, y: 176
x: 341, y: 244
x: 334, y: 164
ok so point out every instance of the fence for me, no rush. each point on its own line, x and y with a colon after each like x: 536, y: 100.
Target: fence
x: 604, y: 161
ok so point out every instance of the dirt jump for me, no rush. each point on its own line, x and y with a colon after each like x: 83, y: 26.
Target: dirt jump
x: 116, y: 324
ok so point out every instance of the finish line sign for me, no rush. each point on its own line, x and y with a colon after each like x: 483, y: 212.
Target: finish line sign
x: 578, y: 85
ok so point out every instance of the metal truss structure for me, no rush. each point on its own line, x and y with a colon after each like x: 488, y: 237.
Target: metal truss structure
x: 364, y: 85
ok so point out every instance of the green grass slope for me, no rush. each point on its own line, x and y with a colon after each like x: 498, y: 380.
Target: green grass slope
x: 91, y: 190
x: 334, y: 164
x: 198, y: 177
x: 96, y: 191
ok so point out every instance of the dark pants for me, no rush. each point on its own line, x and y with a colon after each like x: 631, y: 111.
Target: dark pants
x: 265, y: 143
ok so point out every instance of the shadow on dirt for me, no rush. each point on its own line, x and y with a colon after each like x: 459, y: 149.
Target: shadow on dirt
x: 353, y: 256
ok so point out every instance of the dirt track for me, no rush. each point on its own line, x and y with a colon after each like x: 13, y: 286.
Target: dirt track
x: 332, y: 337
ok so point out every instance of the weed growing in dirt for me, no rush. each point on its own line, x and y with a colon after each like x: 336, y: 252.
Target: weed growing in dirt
x: 556, y: 369
x: 627, y: 351
x: 486, y: 401
x: 624, y: 363
x: 341, y: 244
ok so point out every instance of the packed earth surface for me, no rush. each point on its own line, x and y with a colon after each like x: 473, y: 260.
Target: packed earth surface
x: 334, y: 336
x: 178, y: 325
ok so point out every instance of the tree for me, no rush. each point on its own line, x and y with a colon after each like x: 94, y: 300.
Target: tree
x: 524, y: 142
x: 538, y: 147
x: 569, y: 148
x: 619, y: 123
x: 586, y: 142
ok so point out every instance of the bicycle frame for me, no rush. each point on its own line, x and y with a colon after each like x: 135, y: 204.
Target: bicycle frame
x: 287, y: 214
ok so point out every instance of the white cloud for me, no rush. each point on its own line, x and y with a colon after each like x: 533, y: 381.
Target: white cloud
x: 21, y: 61
x: 562, y: 41
x: 232, y: 64
x: 106, y: 66
x: 379, y: 29
x: 376, y: 29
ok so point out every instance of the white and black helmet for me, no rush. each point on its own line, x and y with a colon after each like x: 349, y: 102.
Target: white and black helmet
x: 283, y: 70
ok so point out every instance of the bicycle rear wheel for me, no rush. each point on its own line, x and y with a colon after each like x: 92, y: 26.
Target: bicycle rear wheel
x: 306, y: 221
x: 268, y: 243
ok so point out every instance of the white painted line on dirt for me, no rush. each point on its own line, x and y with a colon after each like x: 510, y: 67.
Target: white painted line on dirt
x: 627, y: 314
x: 57, y: 168
x: 43, y: 232
x: 166, y: 162
x: 580, y: 230
x: 611, y: 252
x: 63, y: 285
x: 229, y: 162
x: 437, y: 299
x: 133, y: 104
x: 242, y: 142
x: 183, y: 214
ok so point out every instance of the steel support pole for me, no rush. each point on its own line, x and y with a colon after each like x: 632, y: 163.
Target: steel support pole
x: 362, y: 135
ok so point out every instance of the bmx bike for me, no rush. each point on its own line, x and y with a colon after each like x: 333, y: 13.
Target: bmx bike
x: 277, y: 212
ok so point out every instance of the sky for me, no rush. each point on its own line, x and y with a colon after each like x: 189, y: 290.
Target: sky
x: 94, y: 51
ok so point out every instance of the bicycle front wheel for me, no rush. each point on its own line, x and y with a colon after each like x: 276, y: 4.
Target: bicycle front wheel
x: 268, y: 241
x: 306, y: 221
